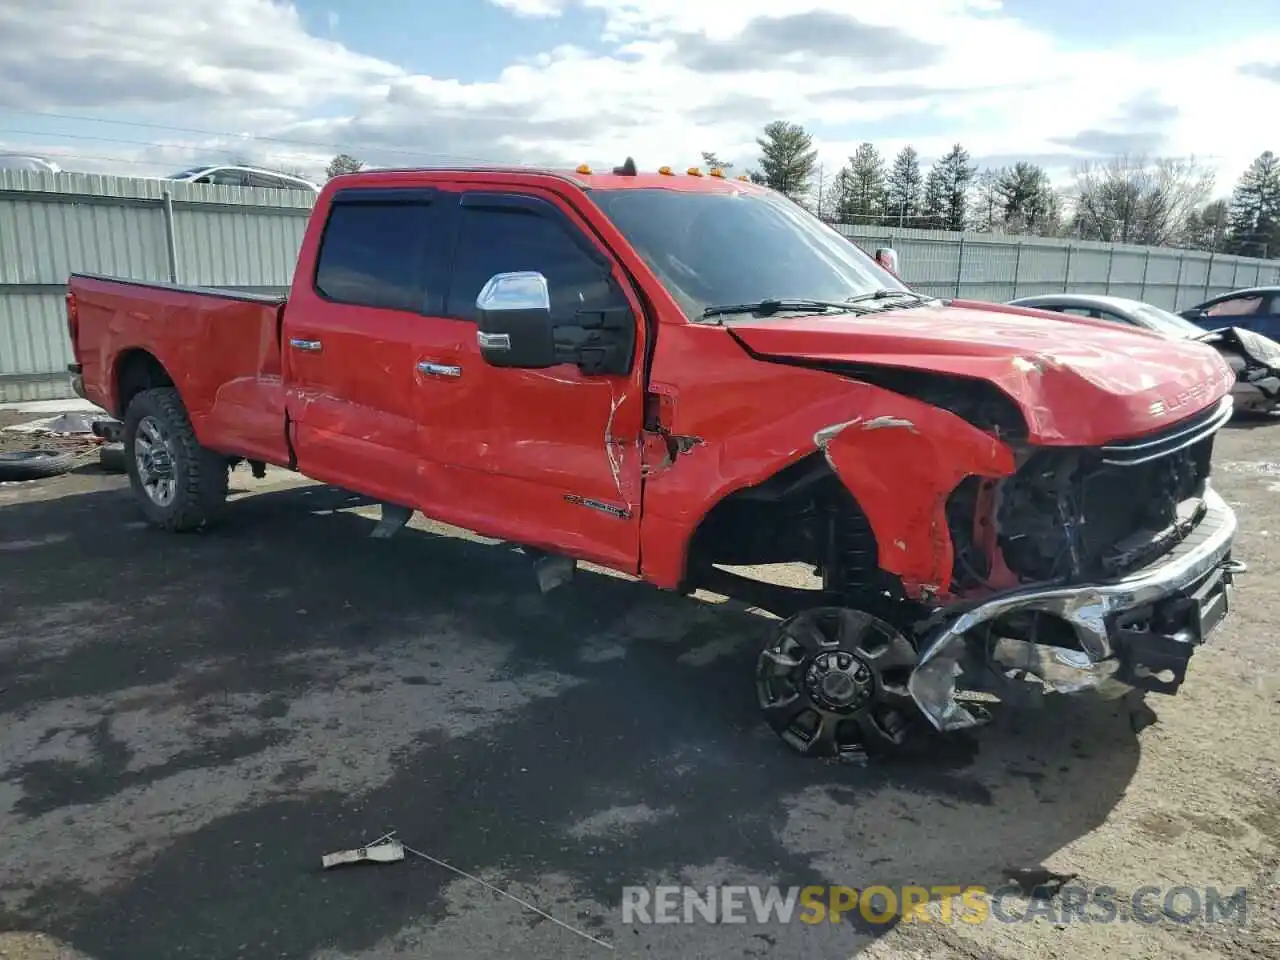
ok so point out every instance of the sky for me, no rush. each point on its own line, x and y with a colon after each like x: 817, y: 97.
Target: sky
x: 132, y: 88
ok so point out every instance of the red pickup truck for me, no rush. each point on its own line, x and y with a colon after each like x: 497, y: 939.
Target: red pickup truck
x: 669, y: 374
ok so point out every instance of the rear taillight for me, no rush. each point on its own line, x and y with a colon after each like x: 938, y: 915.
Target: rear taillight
x: 73, y: 317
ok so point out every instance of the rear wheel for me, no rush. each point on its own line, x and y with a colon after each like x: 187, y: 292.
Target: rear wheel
x: 179, y: 484
x: 832, y: 682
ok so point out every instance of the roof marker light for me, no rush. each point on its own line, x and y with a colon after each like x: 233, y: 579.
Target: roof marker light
x: 665, y: 171
x: 717, y: 172
x: 743, y: 176
x: 583, y: 169
x: 694, y: 171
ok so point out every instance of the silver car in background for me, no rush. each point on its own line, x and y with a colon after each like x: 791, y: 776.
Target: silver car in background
x: 1254, y: 358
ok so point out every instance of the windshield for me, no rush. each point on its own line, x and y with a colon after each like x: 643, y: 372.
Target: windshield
x: 711, y: 249
x: 1164, y: 322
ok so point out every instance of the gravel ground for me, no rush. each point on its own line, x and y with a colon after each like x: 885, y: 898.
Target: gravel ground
x: 187, y: 723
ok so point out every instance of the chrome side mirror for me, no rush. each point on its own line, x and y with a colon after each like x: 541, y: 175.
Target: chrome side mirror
x: 887, y: 257
x: 513, y: 314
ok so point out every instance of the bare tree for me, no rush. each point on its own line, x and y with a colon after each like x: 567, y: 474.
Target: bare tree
x: 1134, y: 199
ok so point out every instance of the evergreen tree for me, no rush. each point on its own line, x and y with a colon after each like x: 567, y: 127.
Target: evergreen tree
x: 957, y: 178
x: 863, y: 189
x: 934, y: 202
x: 788, y: 159
x: 1254, y: 219
x: 904, y: 186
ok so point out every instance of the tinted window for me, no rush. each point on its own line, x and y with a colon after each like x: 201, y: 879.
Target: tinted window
x: 715, y: 248
x: 374, y: 254
x: 266, y: 180
x: 1235, y: 307
x: 505, y: 239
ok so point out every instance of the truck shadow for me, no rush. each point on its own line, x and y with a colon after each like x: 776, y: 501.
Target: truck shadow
x: 283, y: 687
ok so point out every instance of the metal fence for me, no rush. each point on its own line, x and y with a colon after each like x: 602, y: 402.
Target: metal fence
x: 982, y: 266
x: 248, y: 239
x: 195, y: 234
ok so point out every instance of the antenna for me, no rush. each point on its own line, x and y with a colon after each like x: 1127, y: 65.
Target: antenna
x: 628, y: 168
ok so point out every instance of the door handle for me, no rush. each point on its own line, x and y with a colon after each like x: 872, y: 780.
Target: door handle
x: 310, y: 345
x: 433, y: 369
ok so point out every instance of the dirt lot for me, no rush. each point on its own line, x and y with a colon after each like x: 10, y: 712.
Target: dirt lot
x: 190, y: 722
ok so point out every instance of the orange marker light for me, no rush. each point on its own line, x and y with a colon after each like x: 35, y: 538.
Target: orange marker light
x: 665, y: 171
x: 695, y: 172
x: 743, y: 176
x: 717, y: 172
x: 584, y: 169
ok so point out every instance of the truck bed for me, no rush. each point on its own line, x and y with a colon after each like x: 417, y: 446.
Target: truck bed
x: 220, y: 349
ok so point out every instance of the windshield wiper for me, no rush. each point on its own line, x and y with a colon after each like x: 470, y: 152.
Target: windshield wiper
x: 770, y: 306
x: 889, y: 295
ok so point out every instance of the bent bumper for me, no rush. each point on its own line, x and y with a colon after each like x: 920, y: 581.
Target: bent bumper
x: 1184, y: 595
x: 1257, y: 396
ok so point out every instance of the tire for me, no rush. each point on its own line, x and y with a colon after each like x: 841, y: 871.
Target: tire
x: 34, y: 464
x: 111, y: 458
x: 184, y: 485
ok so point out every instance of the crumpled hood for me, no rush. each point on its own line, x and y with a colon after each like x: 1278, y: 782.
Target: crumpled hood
x: 1261, y: 350
x: 1077, y: 381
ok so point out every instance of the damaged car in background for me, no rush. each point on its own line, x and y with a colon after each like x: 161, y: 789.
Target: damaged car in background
x: 670, y: 375
x: 1253, y: 358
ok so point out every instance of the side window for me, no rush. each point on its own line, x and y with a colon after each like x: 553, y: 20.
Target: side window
x: 1235, y: 307
x: 1077, y: 311
x: 505, y: 239
x: 256, y: 179
x: 225, y: 176
x: 1274, y: 307
x: 374, y: 254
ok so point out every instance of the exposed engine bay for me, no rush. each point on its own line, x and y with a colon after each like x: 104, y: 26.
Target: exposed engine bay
x: 1068, y: 514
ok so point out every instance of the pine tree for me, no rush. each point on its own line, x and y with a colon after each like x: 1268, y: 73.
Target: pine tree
x: 904, y: 185
x: 1027, y: 199
x: 957, y: 178
x: 864, y: 186
x: 1254, y: 220
x: 787, y: 158
x: 934, y: 202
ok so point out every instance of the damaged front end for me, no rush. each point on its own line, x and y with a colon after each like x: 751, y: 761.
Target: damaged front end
x: 1046, y: 569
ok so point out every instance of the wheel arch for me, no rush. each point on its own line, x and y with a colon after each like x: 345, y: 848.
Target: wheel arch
x: 137, y: 369
x: 789, y: 494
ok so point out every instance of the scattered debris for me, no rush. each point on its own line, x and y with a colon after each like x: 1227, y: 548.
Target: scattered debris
x: 64, y: 424
x: 387, y: 849
x: 1039, y: 883
x: 383, y: 850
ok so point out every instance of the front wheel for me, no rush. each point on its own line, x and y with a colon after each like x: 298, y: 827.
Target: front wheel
x: 179, y: 484
x: 832, y: 682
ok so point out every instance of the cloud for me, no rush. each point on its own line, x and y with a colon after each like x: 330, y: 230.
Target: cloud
x: 95, y: 53
x: 664, y: 81
x: 1266, y: 71
x: 801, y: 38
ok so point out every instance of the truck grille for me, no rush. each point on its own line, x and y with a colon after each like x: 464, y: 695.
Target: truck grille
x: 1073, y: 513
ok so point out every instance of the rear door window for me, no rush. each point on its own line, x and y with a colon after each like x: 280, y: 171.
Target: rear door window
x: 383, y: 252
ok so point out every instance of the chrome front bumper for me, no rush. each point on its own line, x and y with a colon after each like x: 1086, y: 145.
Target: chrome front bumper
x: 1091, y: 609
